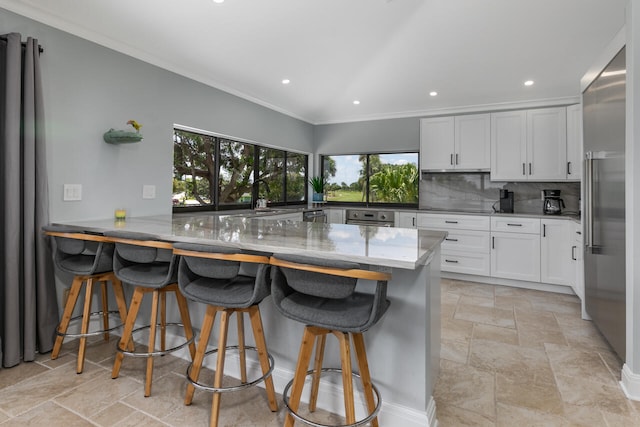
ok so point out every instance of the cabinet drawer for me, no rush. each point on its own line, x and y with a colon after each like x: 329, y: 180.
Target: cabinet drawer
x: 466, y: 263
x: 515, y: 224
x: 454, y: 222
x: 467, y: 240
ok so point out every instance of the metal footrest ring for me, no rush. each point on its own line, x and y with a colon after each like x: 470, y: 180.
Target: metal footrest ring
x: 230, y: 388
x: 285, y: 398
x: 155, y: 353
x: 93, y: 333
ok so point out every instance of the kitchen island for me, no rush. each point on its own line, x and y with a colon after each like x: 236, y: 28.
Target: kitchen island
x: 403, y: 348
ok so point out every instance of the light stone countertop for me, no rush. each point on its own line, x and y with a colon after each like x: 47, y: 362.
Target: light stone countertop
x: 370, y: 245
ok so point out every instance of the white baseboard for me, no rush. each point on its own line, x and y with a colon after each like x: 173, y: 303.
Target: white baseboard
x: 630, y: 383
x: 560, y: 289
x: 329, y: 395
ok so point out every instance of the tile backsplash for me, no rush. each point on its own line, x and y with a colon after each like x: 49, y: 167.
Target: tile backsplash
x: 475, y: 192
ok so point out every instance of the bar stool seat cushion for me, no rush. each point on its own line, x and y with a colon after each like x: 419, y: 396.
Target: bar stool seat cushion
x: 326, y: 300
x: 151, y: 275
x: 221, y: 282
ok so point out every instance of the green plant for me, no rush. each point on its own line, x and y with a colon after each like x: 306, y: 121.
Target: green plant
x: 317, y: 183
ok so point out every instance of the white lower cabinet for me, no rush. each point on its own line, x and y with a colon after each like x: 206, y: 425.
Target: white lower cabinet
x: 466, y: 248
x: 515, y: 248
x: 335, y: 216
x: 406, y: 219
x: 556, y: 252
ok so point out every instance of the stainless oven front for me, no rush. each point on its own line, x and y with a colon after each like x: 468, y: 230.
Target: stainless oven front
x: 380, y: 218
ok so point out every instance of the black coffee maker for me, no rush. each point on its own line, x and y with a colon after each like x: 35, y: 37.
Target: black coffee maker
x: 552, y: 204
x: 506, y: 201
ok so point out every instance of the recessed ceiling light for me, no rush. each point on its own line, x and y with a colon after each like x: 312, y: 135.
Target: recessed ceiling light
x: 286, y: 81
x: 433, y: 93
x: 218, y: 1
x: 528, y: 83
x: 356, y: 102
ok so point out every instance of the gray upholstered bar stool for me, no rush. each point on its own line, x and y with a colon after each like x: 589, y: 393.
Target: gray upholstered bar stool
x: 322, y: 295
x: 150, y: 266
x: 221, y: 278
x: 90, y: 259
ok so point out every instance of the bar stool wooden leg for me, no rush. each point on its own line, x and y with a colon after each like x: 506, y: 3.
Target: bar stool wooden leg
x: 241, y: 349
x: 152, y: 341
x: 306, y: 348
x: 261, y: 345
x: 86, y: 317
x: 163, y: 320
x: 347, y: 379
x: 217, y: 381
x: 127, y: 332
x: 121, y: 302
x: 105, y: 310
x: 317, y: 368
x: 205, y: 333
x: 363, y: 365
x: 72, y: 299
x: 183, y: 306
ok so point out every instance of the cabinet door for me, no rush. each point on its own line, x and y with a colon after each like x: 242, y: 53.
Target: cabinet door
x: 473, y: 142
x: 407, y: 219
x: 515, y: 256
x: 577, y: 256
x: 547, y: 144
x: 574, y: 142
x: 556, y: 241
x: 436, y: 143
x: 335, y: 216
x: 508, y: 146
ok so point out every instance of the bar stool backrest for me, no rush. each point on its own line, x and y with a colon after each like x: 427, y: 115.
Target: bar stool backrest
x: 319, y: 284
x: 79, y: 253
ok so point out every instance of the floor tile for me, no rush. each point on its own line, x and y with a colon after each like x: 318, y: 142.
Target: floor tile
x: 487, y: 315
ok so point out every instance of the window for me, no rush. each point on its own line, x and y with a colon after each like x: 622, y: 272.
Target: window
x: 372, y: 178
x: 211, y: 173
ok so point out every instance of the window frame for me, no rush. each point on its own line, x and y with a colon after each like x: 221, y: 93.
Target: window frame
x: 367, y: 202
x: 258, y: 147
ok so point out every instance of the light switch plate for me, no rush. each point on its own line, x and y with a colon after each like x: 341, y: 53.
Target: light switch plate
x: 148, y: 191
x: 72, y: 192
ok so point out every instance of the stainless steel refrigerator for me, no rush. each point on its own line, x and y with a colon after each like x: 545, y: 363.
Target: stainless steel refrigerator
x: 604, y: 202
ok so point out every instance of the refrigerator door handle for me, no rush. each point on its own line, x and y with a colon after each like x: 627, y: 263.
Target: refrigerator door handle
x: 588, y: 193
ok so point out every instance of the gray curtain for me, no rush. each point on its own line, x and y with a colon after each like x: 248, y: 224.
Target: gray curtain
x: 28, y: 306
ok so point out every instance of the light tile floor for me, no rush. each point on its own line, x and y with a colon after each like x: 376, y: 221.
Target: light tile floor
x: 510, y: 357
x: 517, y: 357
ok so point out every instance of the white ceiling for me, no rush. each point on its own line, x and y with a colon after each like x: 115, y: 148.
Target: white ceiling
x: 389, y: 54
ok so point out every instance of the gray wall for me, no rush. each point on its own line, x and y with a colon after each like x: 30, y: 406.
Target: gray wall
x: 391, y: 135
x: 89, y: 89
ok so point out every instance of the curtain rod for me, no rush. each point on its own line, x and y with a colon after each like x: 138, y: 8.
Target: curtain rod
x: 40, y: 49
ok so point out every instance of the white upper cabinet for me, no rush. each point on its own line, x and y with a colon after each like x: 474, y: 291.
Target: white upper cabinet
x: 574, y: 142
x: 508, y: 145
x: 529, y: 145
x: 547, y: 144
x: 455, y: 143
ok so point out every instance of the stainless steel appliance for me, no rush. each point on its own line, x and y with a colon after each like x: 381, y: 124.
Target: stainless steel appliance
x: 552, y: 204
x: 506, y: 201
x: 604, y: 222
x: 370, y: 217
x: 314, y: 215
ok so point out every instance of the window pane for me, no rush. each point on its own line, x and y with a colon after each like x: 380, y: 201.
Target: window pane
x: 236, y: 172
x: 345, y: 177
x: 193, y: 169
x: 271, y: 178
x: 296, y: 177
x: 393, y: 178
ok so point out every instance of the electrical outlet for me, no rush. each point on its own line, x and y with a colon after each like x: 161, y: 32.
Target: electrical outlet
x: 72, y: 192
x: 148, y: 191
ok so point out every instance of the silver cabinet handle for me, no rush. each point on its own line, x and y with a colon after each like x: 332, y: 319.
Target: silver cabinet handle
x: 451, y: 159
x: 457, y: 159
x: 493, y: 242
x: 573, y: 253
x: 452, y: 261
x: 451, y: 240
x: 568, y: 168
x: 523, y: 170
x: 529, y: 168
x: 514, y: 225
x: 413, y: 221
x: 544, y: 230
x: 451, y: 222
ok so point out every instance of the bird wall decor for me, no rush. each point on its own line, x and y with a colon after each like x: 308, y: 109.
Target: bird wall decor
x: 135, y: 125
